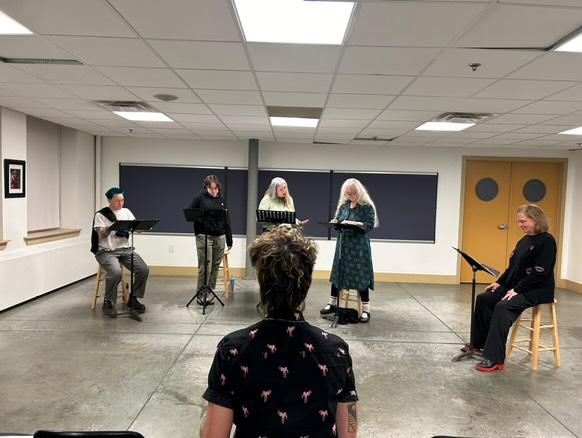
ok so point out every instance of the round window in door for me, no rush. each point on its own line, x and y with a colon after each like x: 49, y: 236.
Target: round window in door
x: 486, y: 189
x: 534, y: 190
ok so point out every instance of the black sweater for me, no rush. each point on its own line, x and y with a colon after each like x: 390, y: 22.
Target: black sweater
x: 214, y: 228
x: 531, y: 268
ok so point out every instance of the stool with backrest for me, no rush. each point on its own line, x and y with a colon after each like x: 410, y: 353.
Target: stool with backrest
x: 226, y: 273
x: 350, y: 297
x: 101, y: 274
x: 534, y: 327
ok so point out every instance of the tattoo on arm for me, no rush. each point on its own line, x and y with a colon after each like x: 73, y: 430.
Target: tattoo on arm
x: 352, y: 418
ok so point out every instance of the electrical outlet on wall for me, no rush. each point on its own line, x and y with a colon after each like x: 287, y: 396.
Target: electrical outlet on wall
x: 170, y: 248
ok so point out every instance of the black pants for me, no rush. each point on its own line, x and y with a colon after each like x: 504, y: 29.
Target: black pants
x: 493, y: 319
x: 364, y: 294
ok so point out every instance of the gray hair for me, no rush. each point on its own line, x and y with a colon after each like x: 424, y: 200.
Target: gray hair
x: 272, y: 191
x: 361, y: 193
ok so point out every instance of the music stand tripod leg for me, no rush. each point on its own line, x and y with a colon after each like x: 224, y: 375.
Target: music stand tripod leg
x: 470, y: 354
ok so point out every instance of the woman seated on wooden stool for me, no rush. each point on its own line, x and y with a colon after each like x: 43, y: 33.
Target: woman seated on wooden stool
x: 527, y: 282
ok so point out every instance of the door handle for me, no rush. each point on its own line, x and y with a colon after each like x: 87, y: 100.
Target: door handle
x: 502, y: 226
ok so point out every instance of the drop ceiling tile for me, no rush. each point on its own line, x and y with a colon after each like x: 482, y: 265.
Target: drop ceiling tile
x: 37, y: 90
x: 383, y: 132
x: 180, y: 108
x: 210, y: 125
x: 370, y: 84
x: 494, y: 63
x: 142, y: 77
x: 518, y: 136
x: 417, y: 103
x: 339, y: 123
x: 67, y: 17
x: 452, y: 141
x: 552, y: 66
x: 99, y: 92
x: 523, y: 89
x: 184, y: 95
x: 523, y: 119
x: 202, y: 55
x: 67, y: 74
x: 446, y: 87
x: 496, y: 106
x: 239, y: 110
x: 68, y: 104
x: 219, y: 79
x: 495, y: 127
x: 293, y: 57
x: 338, y: 131
x: 541, y: 129
x: 93, y: 115
x: 393, y: 125
x: 129, y: 52
x: 573, y: 120
x: 245, y: 120
x: 415, y: 116
x: 42, y: 113
x: 390, y: 23
x: 314, y: 100
x: 180, y: 19
x: 301, y: 82
x: 386, y: 60
x: 18, y: 101
x: 572, y: 93
x: 30, y: 46
x: 507, y: 25
x: 349, y: 113
x: 230, y: 97
x: 358, y: 101
x: 195, y: 118
x: 550, y: 107
x: 9, y: 74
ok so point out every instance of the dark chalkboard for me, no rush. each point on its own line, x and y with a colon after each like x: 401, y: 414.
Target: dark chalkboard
x: 405, y: 202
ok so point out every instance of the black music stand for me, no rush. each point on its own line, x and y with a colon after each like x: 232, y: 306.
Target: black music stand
x: 475, y: 266
x: 204, y: 216
x: 339, y: 227
x: 276, y: 217
x: 131, y: 226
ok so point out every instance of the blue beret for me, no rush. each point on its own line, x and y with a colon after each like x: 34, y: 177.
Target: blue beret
x: 113, y: 191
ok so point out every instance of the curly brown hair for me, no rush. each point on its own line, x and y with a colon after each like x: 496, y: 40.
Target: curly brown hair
x: 283, y: 259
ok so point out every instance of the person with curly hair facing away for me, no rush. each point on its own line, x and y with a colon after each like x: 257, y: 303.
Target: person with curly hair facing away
x: 281, y: 377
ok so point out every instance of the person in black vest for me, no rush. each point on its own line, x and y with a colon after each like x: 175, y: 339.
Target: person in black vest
x: 219, y: 232
x: 112, y: 249
x: 527, y: 282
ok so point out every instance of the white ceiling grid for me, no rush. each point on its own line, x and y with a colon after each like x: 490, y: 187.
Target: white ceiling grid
x: 403, y: 63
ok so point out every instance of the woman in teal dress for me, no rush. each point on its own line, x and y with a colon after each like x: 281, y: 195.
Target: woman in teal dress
x: 352, y: 263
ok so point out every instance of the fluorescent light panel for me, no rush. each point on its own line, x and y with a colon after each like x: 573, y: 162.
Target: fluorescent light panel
x: 294, y: 121
x: 294, y: 21
x: 138, y: 116
x: 571, y: 44
x: 9, y: 26
x: 443, y: 126
x: 575, y: 131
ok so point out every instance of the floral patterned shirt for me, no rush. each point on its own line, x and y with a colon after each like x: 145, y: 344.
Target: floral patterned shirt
x: 282, y: 379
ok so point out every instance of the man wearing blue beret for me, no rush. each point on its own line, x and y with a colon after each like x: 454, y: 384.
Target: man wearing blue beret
x: 112, y: 249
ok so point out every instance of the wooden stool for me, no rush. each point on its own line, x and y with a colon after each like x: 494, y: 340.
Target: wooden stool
x: 101, y: 274
x: 534, y: 335
x: 350, y: 297
x: 226, y: 274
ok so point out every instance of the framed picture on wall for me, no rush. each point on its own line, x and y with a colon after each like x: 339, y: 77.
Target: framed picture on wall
x: 14, y: 179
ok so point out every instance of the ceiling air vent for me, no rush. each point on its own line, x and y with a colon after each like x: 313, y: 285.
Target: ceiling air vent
x: 123, y: 105
x: 464, y: 117
x: 40, y: 61
x: 379, y: 139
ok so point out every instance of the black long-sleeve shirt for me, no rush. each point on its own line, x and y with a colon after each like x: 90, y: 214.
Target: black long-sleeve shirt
x: 213, y: 228
x: 531, y: 267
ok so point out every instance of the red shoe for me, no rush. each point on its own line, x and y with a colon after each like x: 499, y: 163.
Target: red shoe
x: 486, y: 366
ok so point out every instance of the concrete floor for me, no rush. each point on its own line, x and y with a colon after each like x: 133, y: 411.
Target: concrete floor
x: 63, y: 367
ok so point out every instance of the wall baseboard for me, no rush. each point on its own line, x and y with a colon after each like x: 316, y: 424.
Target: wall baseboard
x: 192, y: 271
x: 572, y: 285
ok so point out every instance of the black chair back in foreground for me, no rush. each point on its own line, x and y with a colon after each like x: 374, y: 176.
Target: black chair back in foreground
x: 113, y: 434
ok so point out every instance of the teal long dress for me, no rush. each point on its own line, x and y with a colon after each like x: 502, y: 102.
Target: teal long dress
x: 352, y: 262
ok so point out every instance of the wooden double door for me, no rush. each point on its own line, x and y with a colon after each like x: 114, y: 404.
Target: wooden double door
x: 493, y: 192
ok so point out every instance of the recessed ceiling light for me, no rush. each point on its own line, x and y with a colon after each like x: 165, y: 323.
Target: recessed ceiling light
x: 294, y: 121
x: 9, y: 26
x: 443, y: 126
x: 575, y: 131
x: 571, y: 43
x: 138, y: 116
x: 294, y: 21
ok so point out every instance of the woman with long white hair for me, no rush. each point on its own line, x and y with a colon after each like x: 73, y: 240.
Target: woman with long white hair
x: 278, y: 198
x: 352, y: 262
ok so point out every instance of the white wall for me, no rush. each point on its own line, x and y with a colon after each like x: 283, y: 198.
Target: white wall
x: 573, y: 249
x: 30, y: 271
x: 402, y: 258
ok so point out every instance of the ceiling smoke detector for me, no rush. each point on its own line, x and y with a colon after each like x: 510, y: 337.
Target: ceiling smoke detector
x: 166, y: 97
